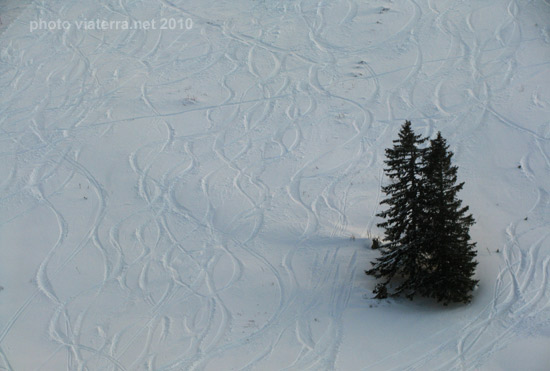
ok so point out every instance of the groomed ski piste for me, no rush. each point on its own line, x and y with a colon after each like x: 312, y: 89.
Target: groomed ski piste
x: 202, y: 196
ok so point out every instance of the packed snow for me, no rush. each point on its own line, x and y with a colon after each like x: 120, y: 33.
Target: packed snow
x: 203, y: 195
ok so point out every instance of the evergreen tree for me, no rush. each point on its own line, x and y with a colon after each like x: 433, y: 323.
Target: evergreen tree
x: 450, y: 265
x: 401, y: 256
x: 428, y: 248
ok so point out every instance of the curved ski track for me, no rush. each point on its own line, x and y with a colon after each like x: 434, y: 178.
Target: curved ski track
x: 198, y: 189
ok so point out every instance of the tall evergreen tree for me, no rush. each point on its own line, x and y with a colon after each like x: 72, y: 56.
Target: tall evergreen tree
x: 450, y: 265
x: 401, y: 255
x: 428, y: 248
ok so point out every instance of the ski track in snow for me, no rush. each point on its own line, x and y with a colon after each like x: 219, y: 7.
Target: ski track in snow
x: 196, y: 191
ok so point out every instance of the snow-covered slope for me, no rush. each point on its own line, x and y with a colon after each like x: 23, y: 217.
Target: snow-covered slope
x: 10, y: 10
x: 203, y: 197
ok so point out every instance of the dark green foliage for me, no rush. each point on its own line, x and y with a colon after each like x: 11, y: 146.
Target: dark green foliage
x: 446, y: 225
x: 429, y: 250
x: 401, y: 255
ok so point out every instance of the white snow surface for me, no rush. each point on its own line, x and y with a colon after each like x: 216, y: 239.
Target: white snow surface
x: 204, y: 198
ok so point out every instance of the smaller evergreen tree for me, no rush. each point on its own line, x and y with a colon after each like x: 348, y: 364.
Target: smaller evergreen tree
x: 450, y: 255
